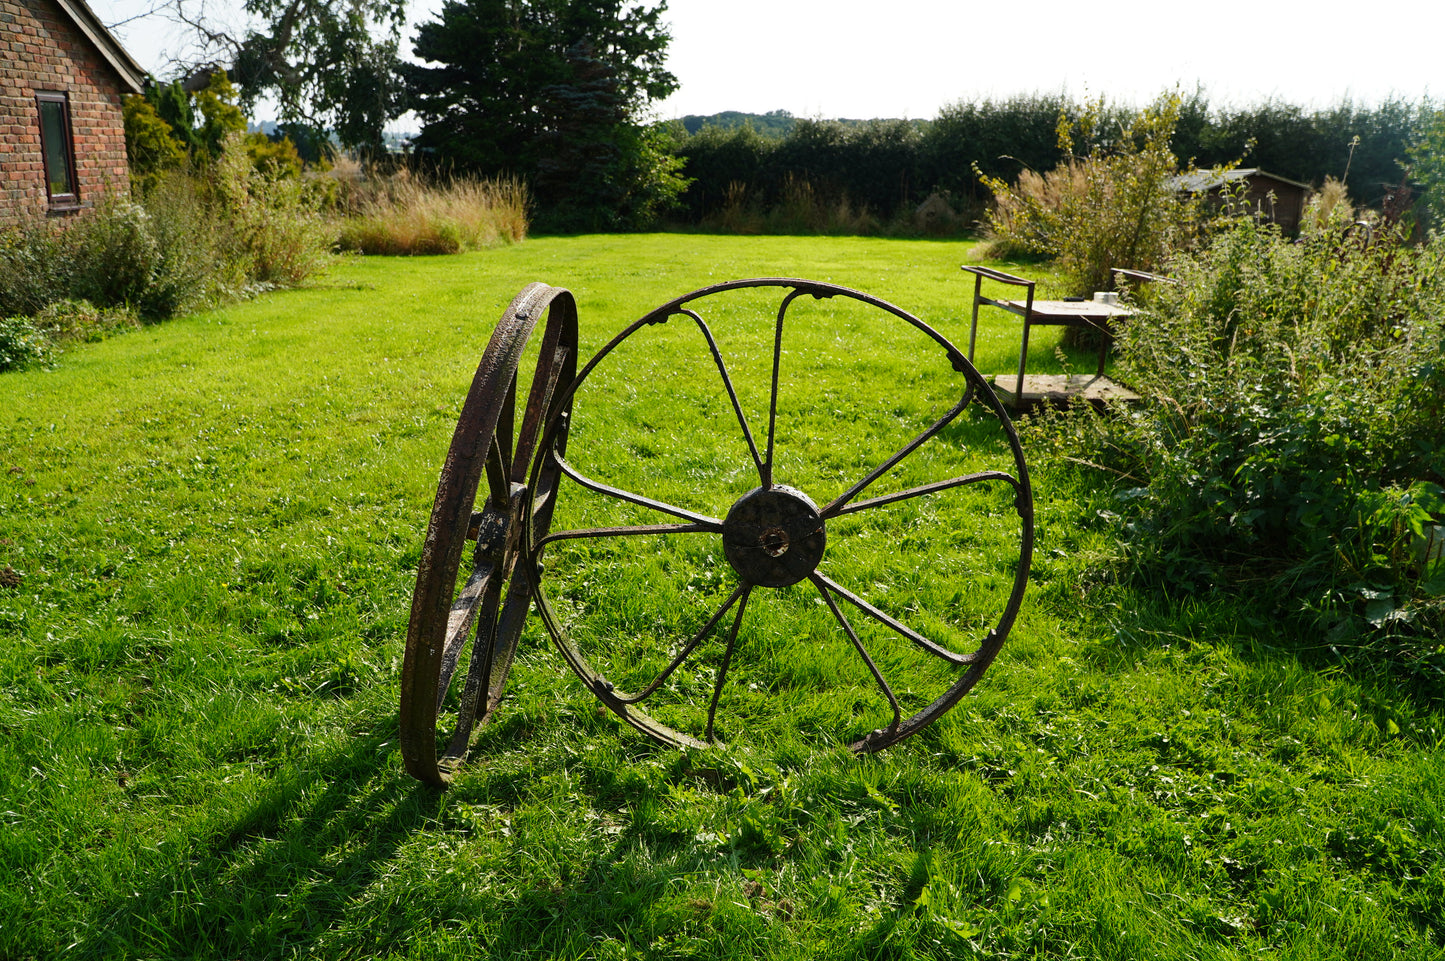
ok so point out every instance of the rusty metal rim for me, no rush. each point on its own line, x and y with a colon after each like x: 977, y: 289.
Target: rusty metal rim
x: 484, y: 442
x: 628, y: 706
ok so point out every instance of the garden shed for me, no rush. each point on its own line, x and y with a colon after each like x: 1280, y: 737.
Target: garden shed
x: 62, y: 134
x: 1275, y: 198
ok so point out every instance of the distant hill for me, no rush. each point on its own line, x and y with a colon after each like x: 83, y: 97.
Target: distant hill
x: 775, y: 123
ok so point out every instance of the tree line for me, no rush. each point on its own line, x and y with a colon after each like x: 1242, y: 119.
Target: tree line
x: 892, y: 166
x: 555, y: 93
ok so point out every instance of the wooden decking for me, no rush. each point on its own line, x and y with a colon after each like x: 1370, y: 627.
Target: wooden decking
x: 1061, y: 389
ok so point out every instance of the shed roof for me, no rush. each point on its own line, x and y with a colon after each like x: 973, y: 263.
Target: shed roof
x: 132, y: 74
x: 1200, y: 180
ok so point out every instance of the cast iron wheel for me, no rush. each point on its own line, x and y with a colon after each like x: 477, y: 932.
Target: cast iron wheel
x: 775, y: 536
x: 488, y: 439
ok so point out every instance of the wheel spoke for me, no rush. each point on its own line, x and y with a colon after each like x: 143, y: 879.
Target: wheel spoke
x: 688, y: 648
x: 934, y: 488
x: 767, y: 465
x: 837, y: 505
x: 745, y: 591
x: 539, y: 403
x: 632, y: 531
x: 509, y: 628
x: 479, y: 672
x: 728, y: 385
x: 895, y: 625
x: 488, y: 528
x: 822, y: 585
x: 460, y: 620
x: 506, y: 422
x: 497, y: 483
x: 630, y: 497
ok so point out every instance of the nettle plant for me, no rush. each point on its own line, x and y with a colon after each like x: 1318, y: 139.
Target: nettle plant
x: 1292, y: 445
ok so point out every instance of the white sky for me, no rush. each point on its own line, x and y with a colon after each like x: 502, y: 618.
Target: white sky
x: 908, y: 58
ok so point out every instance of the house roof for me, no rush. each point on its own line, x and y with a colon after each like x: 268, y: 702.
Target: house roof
x: 1199, y: 180
x: 132, y: 74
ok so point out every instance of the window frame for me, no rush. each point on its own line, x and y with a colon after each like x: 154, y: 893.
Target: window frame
x: 57, y: 98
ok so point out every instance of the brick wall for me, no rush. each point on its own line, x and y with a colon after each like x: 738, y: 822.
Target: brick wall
x: 41, y: 49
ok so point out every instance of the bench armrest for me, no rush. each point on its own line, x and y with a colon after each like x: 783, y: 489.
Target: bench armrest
x: 997, y: 275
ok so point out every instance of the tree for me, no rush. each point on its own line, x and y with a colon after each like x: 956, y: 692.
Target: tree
x: 1427, y: 165
x: 150, y: 143
x: 329, y: 63
x: 550, y: 91
x: 970, y: 139
x: 169, y: 123
x: 169, y: 127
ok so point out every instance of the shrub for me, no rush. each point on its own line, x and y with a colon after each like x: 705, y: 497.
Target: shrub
x: 1427, y: 165
x: 159, y: 257
x: 192, y: 239
x: 115, y: 254
x: 1113, y: 206
x: 81, y: 321
x: 21, y: 344
x: 34, y: 265
x: 279, y: 237
x: 150, y: 143
x: 273, y: 158
x: 197, y: 263
x: 1292, y: 450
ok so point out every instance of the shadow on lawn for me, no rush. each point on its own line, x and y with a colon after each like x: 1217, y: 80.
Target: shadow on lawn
x: 279, y: 876
x: 317, y: 865
x: 1143, y: 620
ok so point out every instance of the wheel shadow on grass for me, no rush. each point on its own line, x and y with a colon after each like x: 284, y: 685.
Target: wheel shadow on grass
x: 273, y: 880
x: 350, y: 856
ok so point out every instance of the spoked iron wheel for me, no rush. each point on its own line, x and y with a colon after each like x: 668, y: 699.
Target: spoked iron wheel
x: 804, y: 539
x: 491, y: 603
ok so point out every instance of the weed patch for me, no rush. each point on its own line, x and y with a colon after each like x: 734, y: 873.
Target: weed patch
x: 1292, y: 451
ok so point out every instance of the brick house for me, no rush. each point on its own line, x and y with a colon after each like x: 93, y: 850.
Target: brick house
x: 62, y: 136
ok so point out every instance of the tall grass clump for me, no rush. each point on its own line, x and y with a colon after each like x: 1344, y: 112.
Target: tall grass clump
x: 1292, y: 448
x: 406, y: 214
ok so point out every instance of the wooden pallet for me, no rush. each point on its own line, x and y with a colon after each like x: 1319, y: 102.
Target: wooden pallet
x: 1061, y: 389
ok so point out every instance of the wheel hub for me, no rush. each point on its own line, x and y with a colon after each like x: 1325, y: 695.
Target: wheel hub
x: 774, y: 537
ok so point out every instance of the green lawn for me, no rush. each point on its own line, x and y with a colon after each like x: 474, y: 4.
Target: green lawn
x: 215, y: 525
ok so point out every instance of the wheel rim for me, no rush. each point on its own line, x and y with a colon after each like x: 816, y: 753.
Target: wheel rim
x: 490, y: 608
x: 773, y: 537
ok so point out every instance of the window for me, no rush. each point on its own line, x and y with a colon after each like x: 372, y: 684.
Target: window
x: 58, y: 149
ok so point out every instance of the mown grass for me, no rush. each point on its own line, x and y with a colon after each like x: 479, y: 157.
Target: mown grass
x: 215, y: 524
